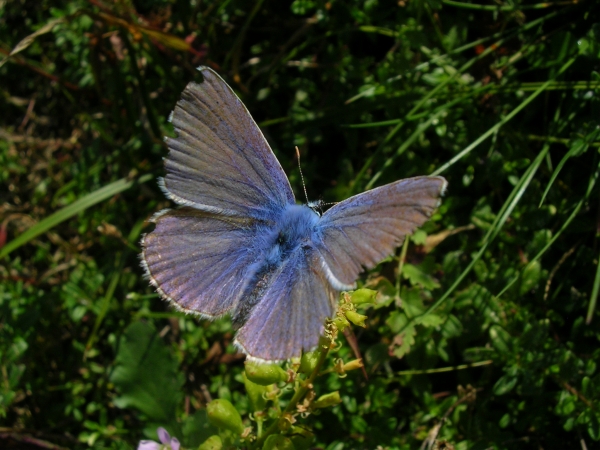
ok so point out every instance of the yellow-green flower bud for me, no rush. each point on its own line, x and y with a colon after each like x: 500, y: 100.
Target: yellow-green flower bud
x: 255, y: 394
x: 278, y: 442
x: 222, y: 414
x: 356, y: 318
x: 212, y: 443
x: 331, y: 399
x: 353, y: 365
x: 340, y: 323
x: 361, y: 296
x: 265, y: 374
x: 309, y: 361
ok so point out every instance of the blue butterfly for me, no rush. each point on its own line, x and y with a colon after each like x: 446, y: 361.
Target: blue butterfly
x: 240, y: 244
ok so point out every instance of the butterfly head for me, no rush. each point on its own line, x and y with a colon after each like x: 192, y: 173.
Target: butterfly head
x: 317, y: 206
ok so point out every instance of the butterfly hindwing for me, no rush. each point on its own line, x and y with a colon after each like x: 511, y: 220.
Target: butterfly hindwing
x: 198, y: 260
x: 359, y: 232
x: 291, y: 313
x: 220, y: 160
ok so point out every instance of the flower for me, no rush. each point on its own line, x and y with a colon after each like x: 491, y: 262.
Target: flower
x: 167, y: 442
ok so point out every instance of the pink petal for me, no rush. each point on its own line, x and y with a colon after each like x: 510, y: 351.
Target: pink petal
x: 148, y: 445
x: 174, y: 444
x: 163, y: 435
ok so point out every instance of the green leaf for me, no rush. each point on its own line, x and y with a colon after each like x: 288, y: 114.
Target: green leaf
x: 569, y: 424
x: 567, y: 404
x: 506, y: 383
x: 593, y: 425
x: 530, y: 276
x: 412, y: 303
x: 301, y: 7
x: 146, y: 374
x: 417, y: 277
x: 505, y: 421
x: 278, y: 442
x: 452, y: 327
x: 419, y: 237
x: 197, y: 429
x: 403, y: 342
x: 501, y: 339
x: 430, y: 320
x: 302, y: 438
x: 590, y: 419
x: 396, y: 321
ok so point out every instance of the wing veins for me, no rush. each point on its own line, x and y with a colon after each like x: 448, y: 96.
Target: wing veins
x: 239, y: 150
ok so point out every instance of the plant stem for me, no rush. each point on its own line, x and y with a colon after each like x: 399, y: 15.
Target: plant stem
x: 445, y: 369
x: 299, y: 394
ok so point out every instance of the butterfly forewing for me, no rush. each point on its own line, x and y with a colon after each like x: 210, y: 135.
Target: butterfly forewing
x: 220, y: 160
x: 359, y: 232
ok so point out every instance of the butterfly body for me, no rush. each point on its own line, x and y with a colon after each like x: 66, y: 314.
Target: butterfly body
x: 240, y: 245
x: 291, y: 231
x: 295, y: 227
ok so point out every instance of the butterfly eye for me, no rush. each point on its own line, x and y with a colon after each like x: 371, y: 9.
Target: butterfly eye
x: 316, y: 206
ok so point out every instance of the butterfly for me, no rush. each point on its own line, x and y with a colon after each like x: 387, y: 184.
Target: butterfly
x: 239, y: 243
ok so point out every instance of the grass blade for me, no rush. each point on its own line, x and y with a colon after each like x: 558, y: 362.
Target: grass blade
x: 574, y: 151
x: 69, y: 211
x: 555, y: 237
x: 501, y: 219
x: 594, y: 296
x: 506, y: 119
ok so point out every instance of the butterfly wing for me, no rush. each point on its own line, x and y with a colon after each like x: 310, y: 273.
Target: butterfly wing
x: 220, y: 161
x: 290, y: 315
x: 197, y: 259
x: 362, y: 230
x: 220, y: 167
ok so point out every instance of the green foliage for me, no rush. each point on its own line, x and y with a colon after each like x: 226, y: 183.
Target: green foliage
x: 147, y: 378
x: 146, y: 375
x: 484, y: 330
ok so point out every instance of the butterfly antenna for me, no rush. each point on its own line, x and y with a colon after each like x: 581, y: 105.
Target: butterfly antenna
x: 301, y: 176
x: 329, y: 203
